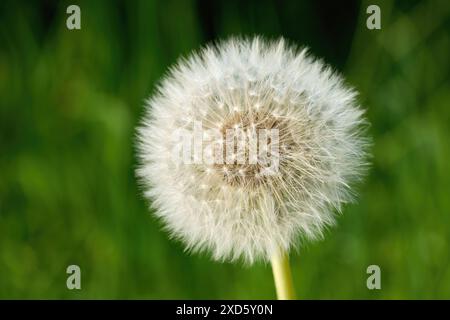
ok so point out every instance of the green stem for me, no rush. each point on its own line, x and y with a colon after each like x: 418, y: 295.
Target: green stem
x: 282, y: 276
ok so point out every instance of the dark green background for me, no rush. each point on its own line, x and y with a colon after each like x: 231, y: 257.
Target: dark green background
x: 70, y: 101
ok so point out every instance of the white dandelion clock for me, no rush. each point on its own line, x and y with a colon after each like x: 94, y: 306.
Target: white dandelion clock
x: 248, y: 147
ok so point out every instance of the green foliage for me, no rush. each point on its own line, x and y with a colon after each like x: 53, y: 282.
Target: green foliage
x: 70, y: 101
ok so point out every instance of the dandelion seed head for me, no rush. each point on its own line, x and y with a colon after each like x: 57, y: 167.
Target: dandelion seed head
x: 246, y: 209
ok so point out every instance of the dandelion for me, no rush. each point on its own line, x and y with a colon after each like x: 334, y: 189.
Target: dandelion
x: 302, y: 146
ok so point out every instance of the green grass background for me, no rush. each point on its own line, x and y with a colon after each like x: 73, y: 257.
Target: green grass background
x: 70, y: 101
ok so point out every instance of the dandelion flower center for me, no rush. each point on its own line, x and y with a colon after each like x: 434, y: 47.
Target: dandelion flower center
x: 256, y: 143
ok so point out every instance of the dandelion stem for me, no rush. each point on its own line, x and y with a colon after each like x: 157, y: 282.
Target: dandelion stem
x: 282, y: 276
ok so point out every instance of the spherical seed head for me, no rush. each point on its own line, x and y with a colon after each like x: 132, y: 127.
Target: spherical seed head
x: 298, y: 145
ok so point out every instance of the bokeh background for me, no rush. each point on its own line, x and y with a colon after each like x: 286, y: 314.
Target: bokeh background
x: 70, y: 101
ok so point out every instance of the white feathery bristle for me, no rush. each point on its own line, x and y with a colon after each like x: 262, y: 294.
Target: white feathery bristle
x: 245, y: 210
